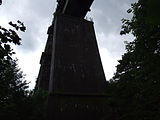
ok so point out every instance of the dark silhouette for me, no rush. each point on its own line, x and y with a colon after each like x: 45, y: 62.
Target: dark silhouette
x: 71, y: 69
x: 71, y: 77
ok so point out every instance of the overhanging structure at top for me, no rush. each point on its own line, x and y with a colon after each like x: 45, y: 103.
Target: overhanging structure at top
x: 75, y: 8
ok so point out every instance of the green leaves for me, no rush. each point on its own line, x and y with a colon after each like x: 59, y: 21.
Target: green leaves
x: 19, y: 26
x: 137, y: 79
x: 8, y: 36
x: 153, y: 12
x: 129, y: 10
x: 13, y: 90
x: 126, y: 28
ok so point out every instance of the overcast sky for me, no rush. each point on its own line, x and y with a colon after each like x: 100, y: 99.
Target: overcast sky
x: 37, y: 15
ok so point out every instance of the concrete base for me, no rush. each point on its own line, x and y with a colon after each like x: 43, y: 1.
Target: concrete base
x: 76, y: 107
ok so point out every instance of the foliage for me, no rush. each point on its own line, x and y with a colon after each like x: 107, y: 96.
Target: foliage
x: 13, y: 90
x: 38, y: 106
x: 8, y: 36
x: 136, y: 82
x: 10, y: 75
x: 13, y: 87
x: 16, y: 102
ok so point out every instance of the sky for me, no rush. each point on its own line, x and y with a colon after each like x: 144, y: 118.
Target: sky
x: 37, y: 16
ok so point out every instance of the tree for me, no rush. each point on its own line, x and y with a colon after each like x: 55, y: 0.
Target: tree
x: 10, y: 74
x: 13, y: 87
x: 16, y: 101
x: 38, y: 105
x: 7, y: 37
x: 137, y: 79
x: 13, y: 90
